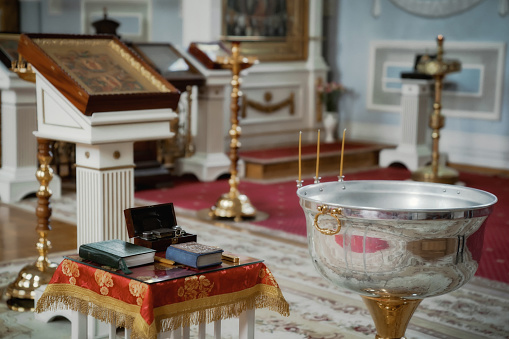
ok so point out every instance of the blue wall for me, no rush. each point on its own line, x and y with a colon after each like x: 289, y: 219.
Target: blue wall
x: 355, y: 27
x: 36, y: 17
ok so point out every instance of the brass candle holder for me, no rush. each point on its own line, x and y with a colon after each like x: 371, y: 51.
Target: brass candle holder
x: 437, y: 68
x: 234, y: 204
x: 21, y: 292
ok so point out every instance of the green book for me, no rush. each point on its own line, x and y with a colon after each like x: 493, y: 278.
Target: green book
x: 117, y: 254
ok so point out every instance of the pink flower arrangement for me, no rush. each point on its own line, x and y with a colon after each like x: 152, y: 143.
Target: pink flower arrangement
x: 330, y: 93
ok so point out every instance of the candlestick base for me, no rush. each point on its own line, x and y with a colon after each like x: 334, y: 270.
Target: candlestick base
x: 21, y: 292
x: 444, y: 175
x: 236, y: 206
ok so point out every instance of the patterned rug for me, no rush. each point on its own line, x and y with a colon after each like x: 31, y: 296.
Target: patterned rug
x: 318, y: 310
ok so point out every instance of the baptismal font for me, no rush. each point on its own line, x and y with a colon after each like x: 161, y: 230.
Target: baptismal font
x: 394, y: 242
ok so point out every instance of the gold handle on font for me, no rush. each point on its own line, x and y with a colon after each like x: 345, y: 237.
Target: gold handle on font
x: 334, y: 212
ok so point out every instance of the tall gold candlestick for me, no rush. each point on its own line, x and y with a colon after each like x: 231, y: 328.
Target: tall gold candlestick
x: 342, y: 154
x: 21, y: 292
x: 438, y: 68
x: 300, y: 155
x: 317, y: 178
x: 234, y: 204
x: 299, y: 181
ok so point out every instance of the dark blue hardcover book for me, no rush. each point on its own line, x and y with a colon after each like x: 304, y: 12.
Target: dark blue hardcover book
x: 194, y: 254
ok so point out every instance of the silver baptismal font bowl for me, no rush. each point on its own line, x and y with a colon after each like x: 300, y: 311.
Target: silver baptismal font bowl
x: 395, y: 242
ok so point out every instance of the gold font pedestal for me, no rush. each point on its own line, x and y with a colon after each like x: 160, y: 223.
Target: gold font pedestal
x: 391, y: 315
x: 437, y: 68
x: 234, y: 204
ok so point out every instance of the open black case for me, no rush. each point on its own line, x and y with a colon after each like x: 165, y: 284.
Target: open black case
x: 155, y: 227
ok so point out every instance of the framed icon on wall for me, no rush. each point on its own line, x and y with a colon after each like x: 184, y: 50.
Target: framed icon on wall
x: 274, y: 30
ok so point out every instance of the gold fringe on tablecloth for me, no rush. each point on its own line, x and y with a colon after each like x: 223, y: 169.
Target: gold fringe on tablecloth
x: 110, y: 310
x: 169, y: 317
x: 219, y: 307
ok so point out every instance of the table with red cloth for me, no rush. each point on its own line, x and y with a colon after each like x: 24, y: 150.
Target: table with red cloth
x: 158, y: 297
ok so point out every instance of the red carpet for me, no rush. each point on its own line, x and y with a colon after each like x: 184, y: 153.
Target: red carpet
x: 281, y: 203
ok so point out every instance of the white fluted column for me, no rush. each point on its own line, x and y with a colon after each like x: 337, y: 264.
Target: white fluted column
x: 104, y: 189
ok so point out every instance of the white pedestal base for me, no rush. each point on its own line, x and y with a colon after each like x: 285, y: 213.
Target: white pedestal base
x: 206, y: 167
x: 411, y: 158
x: 17, y: 184
x: 414, y: 148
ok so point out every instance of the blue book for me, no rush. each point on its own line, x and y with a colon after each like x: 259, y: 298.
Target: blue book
x: 194, y: 254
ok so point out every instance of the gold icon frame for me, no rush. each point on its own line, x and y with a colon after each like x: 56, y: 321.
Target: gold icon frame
x: 291, y: 46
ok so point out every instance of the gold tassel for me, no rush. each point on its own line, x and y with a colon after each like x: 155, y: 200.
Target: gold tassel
x: 167, y: 318
x: 230, y: 306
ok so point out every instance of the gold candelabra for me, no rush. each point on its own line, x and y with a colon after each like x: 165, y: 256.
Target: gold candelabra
x: 234, y: 204
x: 437, y: 68
x: 21, y: 292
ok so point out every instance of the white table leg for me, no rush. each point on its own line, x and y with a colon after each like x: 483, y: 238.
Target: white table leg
x: 246, y: 324
x: 201, y: 330
x: 112, y: 331
x: 80, y: 330
x: 177, y: 334
x: 217, y: 329
x: 186, y: 332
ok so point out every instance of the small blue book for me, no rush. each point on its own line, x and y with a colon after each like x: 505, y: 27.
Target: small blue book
x: 194, y: 254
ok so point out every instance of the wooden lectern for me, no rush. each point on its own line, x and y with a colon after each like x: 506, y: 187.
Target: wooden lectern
x: 95, y: 92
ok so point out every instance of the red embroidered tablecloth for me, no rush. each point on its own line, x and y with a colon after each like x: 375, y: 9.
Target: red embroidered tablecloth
x: 149, y: 308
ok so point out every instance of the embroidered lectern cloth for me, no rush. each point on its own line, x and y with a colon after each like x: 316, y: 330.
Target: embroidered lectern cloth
x: 149, y: 308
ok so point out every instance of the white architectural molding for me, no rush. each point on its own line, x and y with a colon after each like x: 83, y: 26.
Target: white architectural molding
x: 19, y: 147
x: 483, y: 150
x: 435, y: 8
x: 488, y: 58
x: 474, y: 149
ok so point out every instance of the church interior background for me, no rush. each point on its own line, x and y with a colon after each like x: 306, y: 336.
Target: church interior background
x: 366, y: 51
